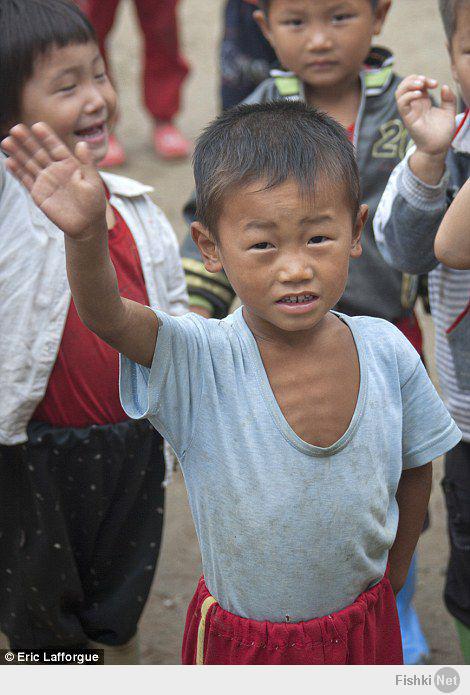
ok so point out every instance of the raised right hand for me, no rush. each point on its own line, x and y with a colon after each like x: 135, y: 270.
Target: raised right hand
x: 65, y: 186
x: 431, y: 127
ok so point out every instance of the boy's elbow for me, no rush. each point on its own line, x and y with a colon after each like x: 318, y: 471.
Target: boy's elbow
x: 450, y: 256
x: 99, y: 330
x: 108, y: 333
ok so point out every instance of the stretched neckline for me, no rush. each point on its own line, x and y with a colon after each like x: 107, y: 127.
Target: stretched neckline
x: 269, y: 398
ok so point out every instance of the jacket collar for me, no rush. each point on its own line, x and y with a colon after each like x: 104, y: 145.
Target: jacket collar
x: 122, y: 186
x: 461, y: 141
x: 376, y: 76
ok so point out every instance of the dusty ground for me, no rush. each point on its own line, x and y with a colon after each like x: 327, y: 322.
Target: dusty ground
x: 414, y: 32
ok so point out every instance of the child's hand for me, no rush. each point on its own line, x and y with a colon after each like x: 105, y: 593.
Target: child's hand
x: 67, y: 188
x: 431, y: 127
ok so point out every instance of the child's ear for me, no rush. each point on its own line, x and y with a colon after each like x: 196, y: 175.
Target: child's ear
x: 262, y: 21
x: 207, y: 246
x: 361, y: 219
x: 380, y: 15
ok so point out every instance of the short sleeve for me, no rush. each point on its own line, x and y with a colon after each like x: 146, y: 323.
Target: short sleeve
x: 168, y: 393
x: 428, y: 429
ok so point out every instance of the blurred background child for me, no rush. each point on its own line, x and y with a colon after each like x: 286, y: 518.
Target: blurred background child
x: 81, y: 496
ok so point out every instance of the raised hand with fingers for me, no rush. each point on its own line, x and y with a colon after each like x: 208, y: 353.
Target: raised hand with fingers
x: 64, y: 185
x: 431, y: 126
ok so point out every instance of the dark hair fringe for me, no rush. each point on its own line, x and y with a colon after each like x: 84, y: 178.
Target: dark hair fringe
x: 28, y: 29
x: 271, y: 143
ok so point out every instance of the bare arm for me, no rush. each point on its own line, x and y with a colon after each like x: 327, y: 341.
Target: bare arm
x: 68, y: 189
x: 412, y: 496
x: 452, y: 242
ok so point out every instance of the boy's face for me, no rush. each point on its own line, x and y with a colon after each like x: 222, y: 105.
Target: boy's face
x: 70, y: 91
x: 460, y: 52
x: 286, y: 256
x: 324, y: 42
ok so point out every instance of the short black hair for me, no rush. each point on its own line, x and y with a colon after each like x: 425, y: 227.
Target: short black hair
x: 28, y: 29
x: 265, y: 4
x: 449, y: 10
x: 271, y: 143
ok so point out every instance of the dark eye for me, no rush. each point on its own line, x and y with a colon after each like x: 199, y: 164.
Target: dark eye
x: 317, y: 239
x: 100, y: 76
x: 293, y: 22
x: 261, y: 245
x: 341, y: 17
x: 67, y: 88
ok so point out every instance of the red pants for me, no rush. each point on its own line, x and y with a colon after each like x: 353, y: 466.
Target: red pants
x: 367, y: 632
x: 164, y: 67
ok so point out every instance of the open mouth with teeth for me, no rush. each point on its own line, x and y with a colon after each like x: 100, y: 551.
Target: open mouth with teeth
x: 297, y: 299
x: 93, y: 133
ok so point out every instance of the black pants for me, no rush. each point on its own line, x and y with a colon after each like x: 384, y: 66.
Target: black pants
x: 456, y: 485
x: 81, y: 515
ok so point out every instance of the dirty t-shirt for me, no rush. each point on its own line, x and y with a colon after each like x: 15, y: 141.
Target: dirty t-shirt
x: 287, y: 530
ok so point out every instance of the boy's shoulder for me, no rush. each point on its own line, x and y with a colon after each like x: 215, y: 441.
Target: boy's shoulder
x: 378, y: 74
x: 268, y: 89
x: 376, y: 330
x: 384, y: 343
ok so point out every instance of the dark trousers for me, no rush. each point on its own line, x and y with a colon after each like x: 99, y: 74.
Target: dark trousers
x: 456, y: 485
x: 81, y: 515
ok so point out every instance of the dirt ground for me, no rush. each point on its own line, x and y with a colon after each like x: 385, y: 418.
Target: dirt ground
x: 414, y: 32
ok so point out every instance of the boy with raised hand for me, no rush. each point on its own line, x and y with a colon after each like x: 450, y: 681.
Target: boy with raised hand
x: 325, y: 49
x: 305, y: 436
x: 412, y: 208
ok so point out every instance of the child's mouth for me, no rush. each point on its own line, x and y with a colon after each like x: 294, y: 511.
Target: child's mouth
x: 297, y: 299
x: 297, y: 303
x: 93, y: 134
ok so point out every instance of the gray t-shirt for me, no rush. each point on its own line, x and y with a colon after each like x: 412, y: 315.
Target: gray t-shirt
x: 286, y: 528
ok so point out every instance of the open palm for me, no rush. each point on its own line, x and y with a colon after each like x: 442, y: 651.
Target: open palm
x: 65, y: 186
x: 431, y: 126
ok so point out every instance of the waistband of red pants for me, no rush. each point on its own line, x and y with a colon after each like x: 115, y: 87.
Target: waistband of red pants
x: 328, y: 628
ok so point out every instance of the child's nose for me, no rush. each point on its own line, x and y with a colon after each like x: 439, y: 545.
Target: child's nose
x: 95, y: 100
x: 319, y: 39
x: 295, y: 271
